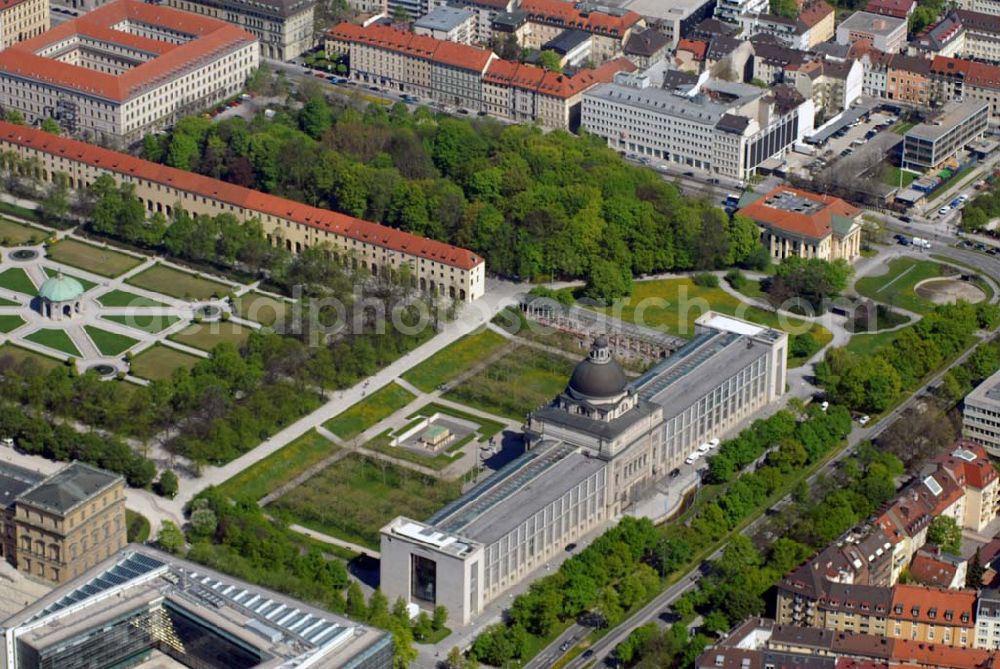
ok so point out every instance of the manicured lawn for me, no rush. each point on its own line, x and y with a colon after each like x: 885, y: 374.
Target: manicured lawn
x: 17, y: 234
x: 109, y: 343
x: 354, y: 497
x: 896, y: 286
x: 487, y: 428
x: 87, y: 285
x: 159, y: 362
x: 176, y: 283
x: 121, y: 298
x: 904, y: 127
x: 137, y: 527
x: 17, y: 279
x: 261, y: 308
x: 369, y: 411
x: 674, y: 304
x: 890, y: 176
x: 279, y: 468
x: 207, y: 336
x: 20, y: 354
x: 451, y: 361
x: 54, y: 339
x: 4, y: 302
x: 94, y: 259
x: 152, y: 324
x: 520, y: 382
x: 866, y: 344
x: 10, y: 322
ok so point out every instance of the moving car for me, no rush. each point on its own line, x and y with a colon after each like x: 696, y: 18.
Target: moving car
x: 944, y: 210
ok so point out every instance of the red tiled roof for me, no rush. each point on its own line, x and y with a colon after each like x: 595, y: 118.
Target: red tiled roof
x: 978, y: 473
x: 566, y: 14
x: 898, y: 8
x: 813, y: 12
x: 921, y: 653
x: 814, y: 226
x: 697, y: 47
x: 934, y: 606
x: 420, y: 46
x: 210, y: 36
x: 263, y: 203
x: 929, y: 570
x: 851, y: 663
x: 972, y: 72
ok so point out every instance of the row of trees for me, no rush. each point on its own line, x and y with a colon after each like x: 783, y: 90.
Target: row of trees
x: 623, y: 567
x: 734, y: 587
x: 534, y: 204
x: 239, y: 539
x: 872, y: 383
x: 30, y: 428
x: 976, y: 215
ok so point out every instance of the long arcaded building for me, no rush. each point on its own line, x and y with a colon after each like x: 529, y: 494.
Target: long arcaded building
x: 434, y: 266
x: 125, y: 69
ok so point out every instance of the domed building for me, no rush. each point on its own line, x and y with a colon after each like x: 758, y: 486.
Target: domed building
x: 59, y: 297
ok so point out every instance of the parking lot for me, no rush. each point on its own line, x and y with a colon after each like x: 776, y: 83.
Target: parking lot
x: 865, y: 138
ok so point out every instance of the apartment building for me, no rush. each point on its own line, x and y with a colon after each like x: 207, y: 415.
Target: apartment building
x: 771, y: 59
x: 434, y: 267
x: 944, y: 38
x: 465, y: 76
x: 610, y: 27
x: 981, y: 415
x: 647, y: 47
x: 988, y: 621
x: 794, y: 222
x: 982, y: 35
x: 832, y: 85
x: 761, y: 643
x: 900, y: 9
x: 527, y: 93
x: 929, y: 145
x: 934, y: 568
x: 284, y: 28
x: 591, y: 453
x: 58, y: 527
x: 981, y: 6
x: 21, y: 20
x: 908, y: 79
x: 971, y: 81
x: 719, y: 127
x: 813, y: 25
x: 486, y: 12
x: 676, y: 19
x: 886, y: 33
x: 730, y: 11
x: 969, y: 466
x: 125, y: 69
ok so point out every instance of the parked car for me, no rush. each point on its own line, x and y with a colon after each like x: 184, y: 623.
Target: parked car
x: 864, y: 420
x: 824, y: 405
x: 943, y: 210
x: 570, y: 548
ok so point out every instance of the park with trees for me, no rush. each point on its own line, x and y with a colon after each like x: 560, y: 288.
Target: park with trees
x: 535, y: 205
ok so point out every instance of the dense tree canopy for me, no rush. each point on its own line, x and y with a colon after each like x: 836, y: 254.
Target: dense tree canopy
x: 534, y: 204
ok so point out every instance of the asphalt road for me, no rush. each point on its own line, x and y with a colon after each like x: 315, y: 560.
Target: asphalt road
x: 600, y: 653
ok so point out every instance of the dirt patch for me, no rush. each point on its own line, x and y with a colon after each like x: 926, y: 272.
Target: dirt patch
x: 949, y: 291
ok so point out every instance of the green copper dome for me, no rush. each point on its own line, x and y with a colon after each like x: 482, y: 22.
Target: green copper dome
x: 60, y: 288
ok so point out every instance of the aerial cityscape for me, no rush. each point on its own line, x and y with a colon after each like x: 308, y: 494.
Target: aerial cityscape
x: 539, y: 334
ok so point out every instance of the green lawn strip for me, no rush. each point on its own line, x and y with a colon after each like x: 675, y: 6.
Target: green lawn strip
x: 55, y: 339
x: 890, y: 177
x: 175, y: 283
x: 19, y: 212
x: 519, y: 382
x: 865, y: 344
x: 487, y: 428
x: 121, y: 298
x: 896, y: 288
x: 436, y: 636
x: 661, y: 302
x: 18, y: 234
x: 207, y: 336
x: 147, y: 323
x: 454, y: 359
x: 17, y: 279
x: 904, y: 127
x: 822, y: 337
x: 308, y: 543
x: 137, y: 526
x: 10, y: 322
x: 436, y: 461
x: 355, y: 496
x: 263, y: 309
x: 159, y: 362
x: 93, y: 259
x: 109, y: 343
x: 20, y: 354
x: 87, y: 285
x: 376, y: 407
x: 279, y: 468
x: 4, y: 302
